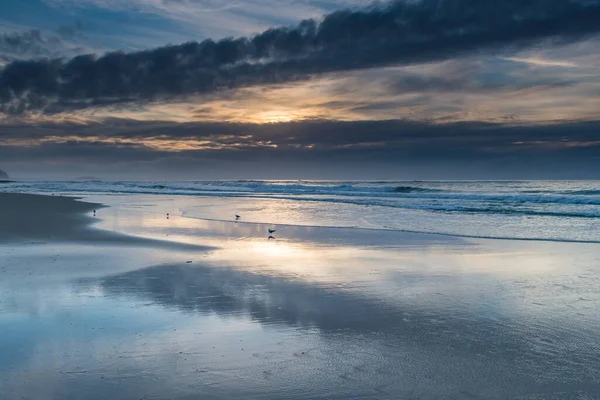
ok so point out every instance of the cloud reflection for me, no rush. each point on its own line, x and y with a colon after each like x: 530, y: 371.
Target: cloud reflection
x: 340, y: 312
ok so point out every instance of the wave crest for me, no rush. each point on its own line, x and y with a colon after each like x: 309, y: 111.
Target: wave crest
x: 413, y: 189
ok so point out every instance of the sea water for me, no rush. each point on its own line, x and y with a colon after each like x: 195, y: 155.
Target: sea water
x: 535, y: 210
x: 362, y: 313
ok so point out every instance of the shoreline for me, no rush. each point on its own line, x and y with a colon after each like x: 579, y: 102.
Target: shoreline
x: 368, y: 314
x: 559, y: 211
x: 407, y: 231
x: 34, y: 217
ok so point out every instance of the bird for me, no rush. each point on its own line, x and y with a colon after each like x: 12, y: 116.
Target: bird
x: 272, y: 230
x: 271, y: 237
x: 167, y: 215
x: 237, y: 216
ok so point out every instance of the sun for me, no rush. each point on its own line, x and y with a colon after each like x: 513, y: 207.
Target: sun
x: 273, y: 117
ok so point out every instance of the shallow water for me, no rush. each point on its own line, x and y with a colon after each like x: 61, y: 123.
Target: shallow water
x: 549, y: 210
x: 314, y: 313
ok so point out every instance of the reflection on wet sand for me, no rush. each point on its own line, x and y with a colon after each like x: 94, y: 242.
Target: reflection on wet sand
x: 444, y: 339
x: 318, y: 313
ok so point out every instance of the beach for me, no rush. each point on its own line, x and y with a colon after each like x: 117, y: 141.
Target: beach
x: 132, y: 303
x: 299, y: 200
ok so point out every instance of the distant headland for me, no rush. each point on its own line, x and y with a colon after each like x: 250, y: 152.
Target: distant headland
x: 4, y: 176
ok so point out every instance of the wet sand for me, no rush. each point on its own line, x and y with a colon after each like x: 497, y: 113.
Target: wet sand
x: 50, y: 219
x: 317, y: 313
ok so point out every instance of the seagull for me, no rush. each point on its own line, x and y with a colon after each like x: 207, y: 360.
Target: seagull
x: 272, y: 230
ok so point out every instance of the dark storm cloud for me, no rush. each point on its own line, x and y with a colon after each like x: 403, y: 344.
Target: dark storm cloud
x: 308, y: 149
x: 396, y: 33
x: 388, y: 138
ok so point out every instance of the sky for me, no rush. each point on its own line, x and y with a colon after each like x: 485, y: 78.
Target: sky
x: 300, y: 89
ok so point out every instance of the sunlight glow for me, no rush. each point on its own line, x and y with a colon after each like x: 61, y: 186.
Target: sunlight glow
x: 271, y: 117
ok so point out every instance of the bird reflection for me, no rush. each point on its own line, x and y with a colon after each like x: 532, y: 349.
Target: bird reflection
x: 271, y: 237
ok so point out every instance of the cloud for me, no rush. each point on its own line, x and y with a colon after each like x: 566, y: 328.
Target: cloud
x: 27, y: 44
x: 470, y: 89
x: 394, y: 33
x: 33, y: 44
x: 71, y: 31
x: 540, y: 62
x: 213, y: 17
x: 393, y: 149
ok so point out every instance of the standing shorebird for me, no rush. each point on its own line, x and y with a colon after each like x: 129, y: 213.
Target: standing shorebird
x: 237, y: 217
x: 272, y: 230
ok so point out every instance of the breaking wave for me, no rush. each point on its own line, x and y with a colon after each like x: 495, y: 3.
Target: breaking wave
x: 556, y: 210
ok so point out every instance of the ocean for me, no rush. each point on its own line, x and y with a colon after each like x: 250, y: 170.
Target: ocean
x: 338, y: 303
x: 532, y: 210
